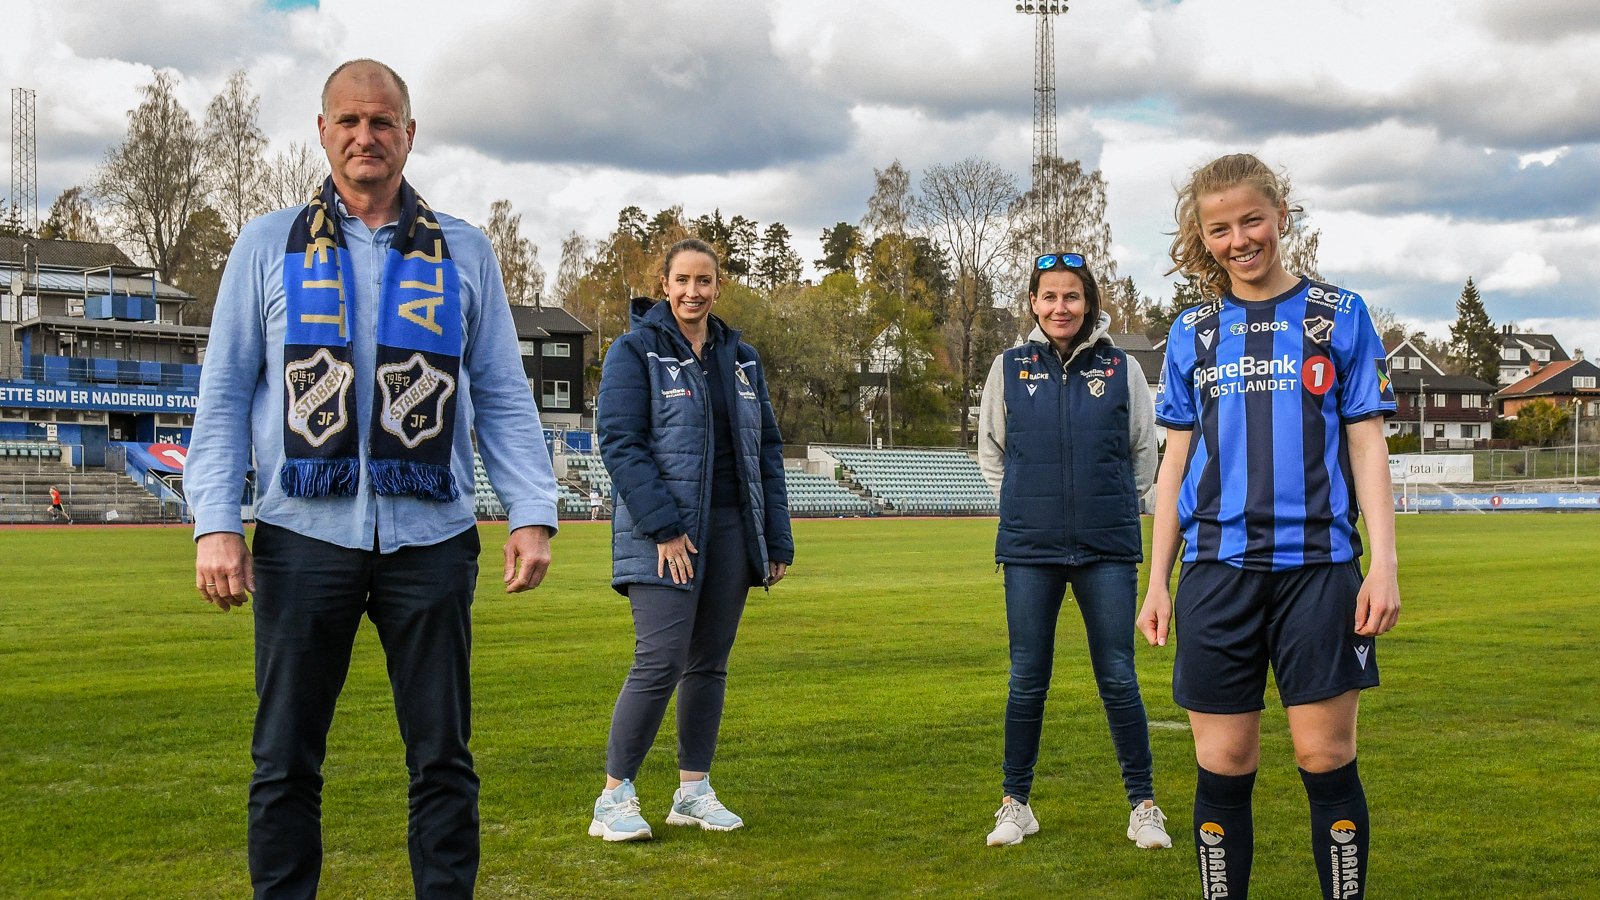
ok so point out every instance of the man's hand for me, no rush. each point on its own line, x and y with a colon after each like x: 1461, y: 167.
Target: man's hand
x: 527, y: 558
x: 223, y: 573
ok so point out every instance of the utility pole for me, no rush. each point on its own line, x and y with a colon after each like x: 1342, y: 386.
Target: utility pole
x: 1422, y: 415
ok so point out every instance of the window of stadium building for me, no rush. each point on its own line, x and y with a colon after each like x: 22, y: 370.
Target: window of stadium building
x: 557, y: 395
x: 561, y: 349
x: 1583, y: 381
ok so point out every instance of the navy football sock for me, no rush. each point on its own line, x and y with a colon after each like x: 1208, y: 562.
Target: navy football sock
x: 1339, y: 830
x: 1224, y: 833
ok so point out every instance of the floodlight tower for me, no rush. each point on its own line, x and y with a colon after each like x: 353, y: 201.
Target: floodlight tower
x: 24, y: 167
x: 1045, y: 191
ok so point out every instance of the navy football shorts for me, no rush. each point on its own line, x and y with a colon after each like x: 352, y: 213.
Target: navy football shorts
x: 1232, y: 622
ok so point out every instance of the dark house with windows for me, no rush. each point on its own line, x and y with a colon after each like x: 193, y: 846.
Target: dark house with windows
x: 553, y: 357
x: 1522, y: 354
x: 92, y: 350
x: 1449, y: 412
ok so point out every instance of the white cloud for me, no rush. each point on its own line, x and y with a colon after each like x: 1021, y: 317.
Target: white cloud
x: 1522, y: 271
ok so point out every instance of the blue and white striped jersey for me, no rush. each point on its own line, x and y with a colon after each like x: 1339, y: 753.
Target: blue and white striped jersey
x: 1267, y: 386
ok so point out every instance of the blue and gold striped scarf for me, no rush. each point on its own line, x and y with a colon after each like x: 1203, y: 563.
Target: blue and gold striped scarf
x: 418, y: 358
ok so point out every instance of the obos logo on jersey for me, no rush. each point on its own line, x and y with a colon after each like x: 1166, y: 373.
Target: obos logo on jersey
x: 1345, y: 862
x: 1257, y: 327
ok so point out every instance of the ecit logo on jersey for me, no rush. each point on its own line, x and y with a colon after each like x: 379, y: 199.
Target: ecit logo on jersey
x: 1257, y: 327
x: 1332, y: 298
x: 1200, y: 312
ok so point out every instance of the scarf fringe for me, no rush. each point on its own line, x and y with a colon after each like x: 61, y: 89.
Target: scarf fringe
x: 320, y: 477
x: 391, y: 477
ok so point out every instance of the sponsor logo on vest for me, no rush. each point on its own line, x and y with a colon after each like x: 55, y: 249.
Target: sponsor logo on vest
x: 1319, y: 330
x: 675, y: 393
x: 407, y: 387
x: 1213, y: 862
x: 1344, y: 859
x: 1258, y: 327
x: 1097, y: 387
x: 743, y: 378
x: 317, y: 388
x: 673, y: 371
x: 1025, y: 375
x: 1032, y: 388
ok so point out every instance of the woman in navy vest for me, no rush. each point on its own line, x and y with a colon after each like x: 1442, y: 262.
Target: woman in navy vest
x: 700, y: 516
x: 1067, y: 439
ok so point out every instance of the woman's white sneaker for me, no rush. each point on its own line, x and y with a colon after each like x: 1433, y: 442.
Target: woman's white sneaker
x: 1013, y: 821
x: 1147, y: 827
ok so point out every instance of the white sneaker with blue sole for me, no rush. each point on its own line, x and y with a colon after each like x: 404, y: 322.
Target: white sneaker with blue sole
x: 616, y: 815
x: 699, y: 806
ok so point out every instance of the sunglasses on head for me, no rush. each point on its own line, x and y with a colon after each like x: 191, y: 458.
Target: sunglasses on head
x: 1065, y: 260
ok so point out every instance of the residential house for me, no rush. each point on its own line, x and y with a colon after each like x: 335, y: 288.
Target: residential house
x: 1519, y: 353
x: 1454, y: 412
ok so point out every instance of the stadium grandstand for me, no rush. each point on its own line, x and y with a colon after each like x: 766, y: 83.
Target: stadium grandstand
x: 917, y: 482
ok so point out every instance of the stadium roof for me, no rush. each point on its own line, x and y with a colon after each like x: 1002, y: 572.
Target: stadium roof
x: 115, y: 327
x: 68, y: 254
x: 78, y: 283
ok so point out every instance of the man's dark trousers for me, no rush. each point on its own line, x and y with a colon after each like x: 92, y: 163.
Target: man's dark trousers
x: 309, y: 601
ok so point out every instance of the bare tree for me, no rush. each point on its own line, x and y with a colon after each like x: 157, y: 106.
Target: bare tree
x: 155, y: 179
x: 1299, y: 248
x: 1065, y: 211
x: 891, y: 207
x: 519, y: 257
x: 575, y: 249
x: 235, y: 147
x: 965, y: 208
x: 72, y: 218
x: 292, y: 176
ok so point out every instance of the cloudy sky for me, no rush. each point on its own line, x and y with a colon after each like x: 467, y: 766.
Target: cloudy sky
x: 1429, y: 140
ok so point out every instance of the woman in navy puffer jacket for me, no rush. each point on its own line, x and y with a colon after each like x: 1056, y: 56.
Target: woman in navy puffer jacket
x: 701, y: 515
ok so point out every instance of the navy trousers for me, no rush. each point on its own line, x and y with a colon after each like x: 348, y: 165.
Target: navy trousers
x: 310, y: 597
x: 682, y: 640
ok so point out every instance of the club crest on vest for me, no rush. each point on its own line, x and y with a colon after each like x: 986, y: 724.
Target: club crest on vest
x: 317, y: 387
x: 413, y: 394
x: 1097, y: 387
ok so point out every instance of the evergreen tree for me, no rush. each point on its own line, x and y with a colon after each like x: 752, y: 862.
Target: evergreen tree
x: 1474, y: 342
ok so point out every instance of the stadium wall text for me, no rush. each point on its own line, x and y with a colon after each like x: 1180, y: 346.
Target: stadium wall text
x: 114, y: 399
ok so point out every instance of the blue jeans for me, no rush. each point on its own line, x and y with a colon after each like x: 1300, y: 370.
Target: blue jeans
x: 310, y: 599
x: 1105, y: 593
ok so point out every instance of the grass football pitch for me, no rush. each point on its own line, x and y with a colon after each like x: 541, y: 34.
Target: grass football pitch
x: 861, y: 742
